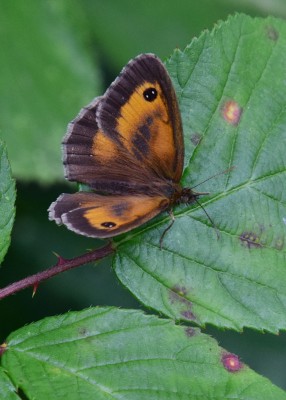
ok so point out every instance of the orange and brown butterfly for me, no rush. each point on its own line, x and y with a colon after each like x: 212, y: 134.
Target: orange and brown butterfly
x: 128, y: 147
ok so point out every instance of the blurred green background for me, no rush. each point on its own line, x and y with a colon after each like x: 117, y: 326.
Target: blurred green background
x: 56, y: 56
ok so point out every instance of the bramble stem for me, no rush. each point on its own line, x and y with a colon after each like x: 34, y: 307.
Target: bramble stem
x: 61, y: 266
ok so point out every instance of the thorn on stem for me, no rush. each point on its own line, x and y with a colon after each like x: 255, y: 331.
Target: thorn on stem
x: 35, y: 288
x: 61, y: 260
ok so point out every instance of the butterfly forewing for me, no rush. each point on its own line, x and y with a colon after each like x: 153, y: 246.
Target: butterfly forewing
x: 96, y: 158
x: 141, y: 109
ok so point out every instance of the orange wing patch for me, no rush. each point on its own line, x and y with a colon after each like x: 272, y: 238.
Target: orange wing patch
x: 116, y: 214
x: 104, y: 149
x: 145, y: 125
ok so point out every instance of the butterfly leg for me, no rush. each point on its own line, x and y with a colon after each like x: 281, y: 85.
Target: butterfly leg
x: 211, y: 220
x: 168, y: 227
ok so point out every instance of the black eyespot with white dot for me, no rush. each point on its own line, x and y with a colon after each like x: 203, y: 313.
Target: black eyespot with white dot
x: 108, y: 225
x: 150, y: 94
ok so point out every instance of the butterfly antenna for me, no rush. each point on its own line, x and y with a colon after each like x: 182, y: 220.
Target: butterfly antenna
x: 215, y: 175
x: 195, y: 198
x: 211, y: 220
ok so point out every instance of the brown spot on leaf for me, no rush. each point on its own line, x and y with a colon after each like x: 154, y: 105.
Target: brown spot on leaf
x: 196, y: 138
x: 178, y: 294
x: 189, y: 315
x: 83, y: 331
x: 231, y: 112
x: 272, y: 33
x: 250, y: 240
x: 231, y: 362
x: 190, y: 331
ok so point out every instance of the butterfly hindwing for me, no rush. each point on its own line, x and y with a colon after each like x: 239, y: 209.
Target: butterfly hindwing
x: 101, y: 216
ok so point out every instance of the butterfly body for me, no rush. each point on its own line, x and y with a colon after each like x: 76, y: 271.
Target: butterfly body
x: 128, y: 147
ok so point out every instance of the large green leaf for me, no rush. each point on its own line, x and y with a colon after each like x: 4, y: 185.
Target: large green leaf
x: 46, y: 76
x: 7, y: 200
x: 105, y: 353
x: 232, y: 93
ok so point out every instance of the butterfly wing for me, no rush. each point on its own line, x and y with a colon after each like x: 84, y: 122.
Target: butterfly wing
x: 101, y: 216
x: 99, y: 159
x: 131, y: 137
x: 141, y: 110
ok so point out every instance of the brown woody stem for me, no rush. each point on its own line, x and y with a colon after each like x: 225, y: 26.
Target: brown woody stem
x: 61, y: 266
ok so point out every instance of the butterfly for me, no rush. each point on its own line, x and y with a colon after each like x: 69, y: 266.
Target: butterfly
x: 128, y: 147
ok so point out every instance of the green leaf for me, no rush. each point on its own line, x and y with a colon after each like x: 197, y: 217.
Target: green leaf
x: 232, y: 93
x: 7, y: 390
x: 7, y: 200
x: 106, y: 353
x: 45, y: 80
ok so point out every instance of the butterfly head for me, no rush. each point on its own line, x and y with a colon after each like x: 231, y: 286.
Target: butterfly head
x: 187, y: 196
